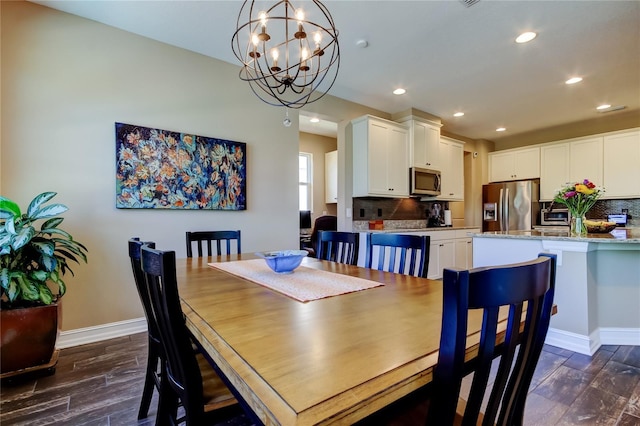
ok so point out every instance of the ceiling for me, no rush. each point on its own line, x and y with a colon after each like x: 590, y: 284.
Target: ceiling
x: 449, y: 57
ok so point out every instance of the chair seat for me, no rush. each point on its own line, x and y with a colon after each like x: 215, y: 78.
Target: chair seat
x: 215, y: 393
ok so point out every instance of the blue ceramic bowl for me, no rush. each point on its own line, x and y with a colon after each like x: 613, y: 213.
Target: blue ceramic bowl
x: 285, y: 261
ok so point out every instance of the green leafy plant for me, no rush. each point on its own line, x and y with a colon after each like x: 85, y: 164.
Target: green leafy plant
x: 30, y: 258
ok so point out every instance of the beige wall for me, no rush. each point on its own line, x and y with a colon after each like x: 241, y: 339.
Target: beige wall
x: 601, y: 123
x: 317, y: 146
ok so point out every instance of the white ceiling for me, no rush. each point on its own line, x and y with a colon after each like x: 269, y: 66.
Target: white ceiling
x: 448, y: 56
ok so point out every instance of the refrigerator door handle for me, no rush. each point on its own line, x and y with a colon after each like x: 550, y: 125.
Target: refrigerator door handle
x: 500, y: 211
x: 506, y: 210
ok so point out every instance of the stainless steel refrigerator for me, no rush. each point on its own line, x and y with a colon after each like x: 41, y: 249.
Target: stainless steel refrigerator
x: 510, y: 206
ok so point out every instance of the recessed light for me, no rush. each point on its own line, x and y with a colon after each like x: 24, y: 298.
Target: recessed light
x: 458, y: 114
x: 525, y: 37
x: 574, y: 80
x: 603, y: 106
x: 611, y: 108
x: 399, y: 91
x: 501, y: 129
x: 314, y: 120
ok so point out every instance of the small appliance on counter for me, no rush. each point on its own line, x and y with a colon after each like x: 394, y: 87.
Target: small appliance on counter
x: 437, y: 217
x: 619, y: 219
x: 555, y: 217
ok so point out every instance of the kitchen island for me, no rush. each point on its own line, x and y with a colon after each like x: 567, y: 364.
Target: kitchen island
x: 597, y: 282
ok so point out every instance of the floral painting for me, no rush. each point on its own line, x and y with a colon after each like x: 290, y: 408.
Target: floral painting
x: 171, y: 170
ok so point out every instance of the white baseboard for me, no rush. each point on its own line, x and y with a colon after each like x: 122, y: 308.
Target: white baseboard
x: 82, y: 336
x: 586, y: 345
x: 620, y: 336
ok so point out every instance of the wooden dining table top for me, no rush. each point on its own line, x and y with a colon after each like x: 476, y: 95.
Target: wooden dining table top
x: 329, y: 361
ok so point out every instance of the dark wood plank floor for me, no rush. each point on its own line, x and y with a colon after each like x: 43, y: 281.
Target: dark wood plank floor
x: 101, y: 384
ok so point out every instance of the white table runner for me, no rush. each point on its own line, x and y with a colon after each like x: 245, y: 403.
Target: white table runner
x: 304, y: 284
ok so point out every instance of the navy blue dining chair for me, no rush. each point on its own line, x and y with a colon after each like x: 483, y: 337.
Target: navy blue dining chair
x: 207, y: 238
x: 188, y: 379
x: 154, y: 349
x: 400, y: 253
x: 338, y: 246
x: 523, y: 289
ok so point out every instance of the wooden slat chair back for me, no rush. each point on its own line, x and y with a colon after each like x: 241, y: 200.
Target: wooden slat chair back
x: 338, y: 246
x: 525, y: 288
x: 206, y: 238
x: 394, y: 251
x: 185, y: 369
x: 152, y: 376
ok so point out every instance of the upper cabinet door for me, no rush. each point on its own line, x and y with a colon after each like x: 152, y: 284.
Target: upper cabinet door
x: 517, y: 164
x: 621, y: 166
x: 424, y: 144
x: 331, y: 177
x: 380, y: 158
x: 398, y: 161
x: 585, y: 160
x: 500, y: 166
x: 452, y: 161
x: 527, y: 163
x: 378, y: 143
x: 554, y: 169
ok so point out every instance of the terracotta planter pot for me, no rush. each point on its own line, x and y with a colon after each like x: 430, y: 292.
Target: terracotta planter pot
x: 28, y: 336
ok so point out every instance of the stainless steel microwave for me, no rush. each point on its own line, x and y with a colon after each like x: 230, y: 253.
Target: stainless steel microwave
x: 424, y: 181
x: 555, y: 217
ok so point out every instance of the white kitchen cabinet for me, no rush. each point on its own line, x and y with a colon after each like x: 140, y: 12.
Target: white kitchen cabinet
x: 514, y: 164
x: 380, y: 158
x: 424, y: 143
x: 554, y: 169
x: 452, y: 170
x: 464, y: 253
x: 448, y: 248
x: 464, y: 248
x: 621, y: 165
x: 442, y: 255
x: 585, y: 160
x: 331, y: 177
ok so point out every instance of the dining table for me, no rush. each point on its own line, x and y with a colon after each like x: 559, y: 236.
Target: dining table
x: 316, y: 359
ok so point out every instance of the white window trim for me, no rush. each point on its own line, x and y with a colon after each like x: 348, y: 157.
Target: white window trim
x: 309, y: 183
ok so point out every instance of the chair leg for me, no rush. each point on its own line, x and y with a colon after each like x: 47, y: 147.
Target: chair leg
x: 167, y: 406
x: 149, y: 381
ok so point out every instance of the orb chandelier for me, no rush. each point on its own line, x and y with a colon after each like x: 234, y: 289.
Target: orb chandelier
x: 290, y: 54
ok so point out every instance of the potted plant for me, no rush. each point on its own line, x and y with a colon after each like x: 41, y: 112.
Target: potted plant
x: 32, y: 265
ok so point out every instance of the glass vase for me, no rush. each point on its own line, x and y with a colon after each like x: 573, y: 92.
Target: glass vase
x: 578, y: 227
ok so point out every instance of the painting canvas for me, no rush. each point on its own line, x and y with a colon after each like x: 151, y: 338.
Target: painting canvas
x: 161, y: 169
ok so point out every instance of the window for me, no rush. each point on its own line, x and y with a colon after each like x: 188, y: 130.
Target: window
x: 305, y: 160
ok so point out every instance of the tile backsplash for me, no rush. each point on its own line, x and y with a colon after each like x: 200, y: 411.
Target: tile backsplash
x: 602, y: 208
x: 393, y: 208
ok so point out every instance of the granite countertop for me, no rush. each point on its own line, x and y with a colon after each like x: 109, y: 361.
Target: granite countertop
x: 399, y: 226
x: 618, y: 235
x: 441, y: 228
